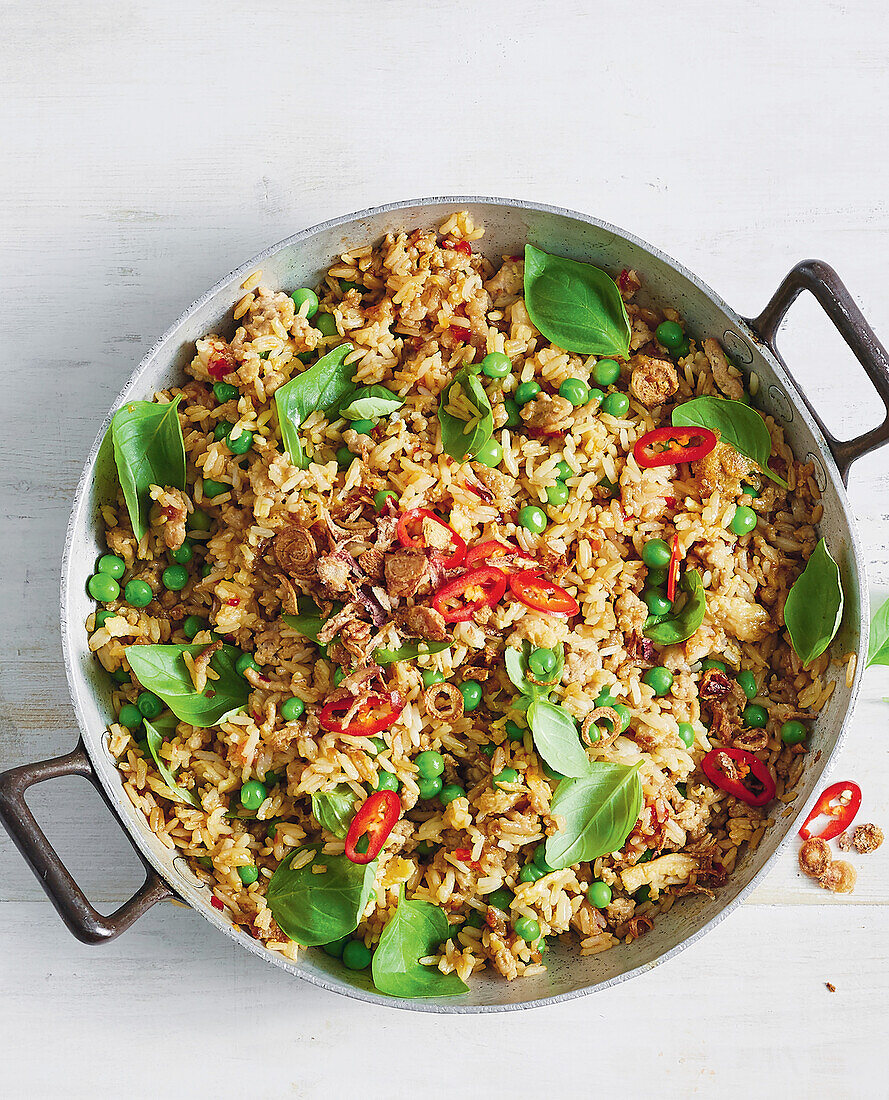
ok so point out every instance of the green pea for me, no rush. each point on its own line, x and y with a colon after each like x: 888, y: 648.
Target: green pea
x: 491, y: 454
x: 513, y: 419
x: 334, y: 949
x: 659, y: 679
x: 344, y: 457
x: 508, y: 775
x: 223, y: 392
x: 112, y: 565
x: 606, y: 372
x: 564, y: 471
x: 527, y: 928
x: 575, y: 390
x: 531, y: 873
x: 102, y: 617
x: 325, y: 323
x: 121, y: 676
x: 670, y: 335
x: 175, y: 577
x: 525, y: 392
x: 471, y: 690
x: 533, y: 519
x: 594, y: 734
x: 606, y: 697
x: 475, y: 919
x: 244, y: 662
x: 750, y: 490
x: 539, y: 858
x: 496, y: 364
x: 271, y: 779
x: 488, y: 750
x: 616, y: 405
x: 625, y: 716
x: 149, y: 705
x: 357, y: 956
x: 431, y: 676
x: 599, y: 894
x: 130, y: 716
x: 755, y: 716
x: 657, y: 602
x: 514, y: 731
x: 375, y: 744
x: 253, y: 794
x: 386, y: 781
x: 747, y: 681
x: 687, y: 734
x: 206, y: 569
x: 597, y: 396
x: 346, y: 285
x: 292, y: 708
x: 303, y: 295
x: 103, y: 587
x: 138, y: 593
x: 430, y: 764
x: 249, y: 874
x: 183, y: 554
x: 222, y: 429
x: 241, y: 444
x: 199, y: 520
x: 500, y: 899
x: 430, y: 787
x: 382, y: 495
x: 447, y: 794
x: 656, y: 578
x: 425, y: 848
x: 793, y: 732
x: 271, y: 829
x: 542, y: 662
x: 683, y: 349
x: 363, y: 427
x: 744, y: 520
x: 215, y: 488
x: 711, y: 664
x: 558, y: 494
x: 656, y: 554
x: 194, y: 624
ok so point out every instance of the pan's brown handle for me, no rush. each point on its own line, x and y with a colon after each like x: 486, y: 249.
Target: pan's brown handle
x: 84, y: 921
x: 824, y: 283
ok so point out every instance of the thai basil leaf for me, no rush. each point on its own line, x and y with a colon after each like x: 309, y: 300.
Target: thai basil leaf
x: 416, y: 931
x: 517, y: 669
x: 599, y: 809
x: 739, y: 425
x: 457, y: 438
x: 814, y: 606
x: 148, y: 450
x: 878, y: 650
x: 576, y: 306
x: 672, y: 628
x: 313, y: 909
x: 408, y: 652
x: 370, y: 402
x: 556, y: 739
x: 323, y: 386
x: 309, y: 620
x: 162, y: 669
x: 335, y: 809
x: 177, y: 793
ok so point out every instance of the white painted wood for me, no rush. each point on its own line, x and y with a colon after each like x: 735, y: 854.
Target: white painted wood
x: 149, y: 148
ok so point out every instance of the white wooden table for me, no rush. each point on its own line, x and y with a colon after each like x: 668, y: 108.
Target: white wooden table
x: 147, y: 148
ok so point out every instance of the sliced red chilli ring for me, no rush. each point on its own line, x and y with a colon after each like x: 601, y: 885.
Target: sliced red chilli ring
x: 459, y: 599
x: 741, y: 774
x: 840, y: 802
x: 665, y: 446
x: 376, y: 713
x: 542, y: 594
x: 374, y: 821
x: 410, y: 534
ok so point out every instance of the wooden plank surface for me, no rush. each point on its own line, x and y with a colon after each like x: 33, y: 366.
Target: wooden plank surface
x: 149, y: 148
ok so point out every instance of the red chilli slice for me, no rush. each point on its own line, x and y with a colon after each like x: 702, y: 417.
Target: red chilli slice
x: 375, y: 820
x: 542, y: 594
x: 753, y: 784
x: 410, y: 534
x: 459, y: 599
x: 377, y: 713
x: 666, y: 446
x: 843, y: 814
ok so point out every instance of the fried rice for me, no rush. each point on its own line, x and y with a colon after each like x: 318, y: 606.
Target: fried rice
x: 416, y: 307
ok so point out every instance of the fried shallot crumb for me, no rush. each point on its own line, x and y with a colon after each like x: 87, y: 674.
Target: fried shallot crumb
x: 831, y: 988
x: 839, y: 877
x: 867, y: 838
x: 814, y: 857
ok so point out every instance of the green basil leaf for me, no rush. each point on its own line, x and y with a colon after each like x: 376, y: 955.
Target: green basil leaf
x: 457, y: 438
x: 416, y: 931
x: 148, y: 450
x: 323, y: 386
x: 814, y: 606
x: 408, y: 652
x: 599, y: 809
x: 516, y: 661
x: 878, y: 650
x: 678, y: 627
x: 556, y: 739
x: 335, y: 809
x: 177, y: 793
x: 309, y: 620
x: 370, y: 402
x: 315, y: 909
x: 162, y: 669
x: 576, y: 306
x: 739, y: 425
